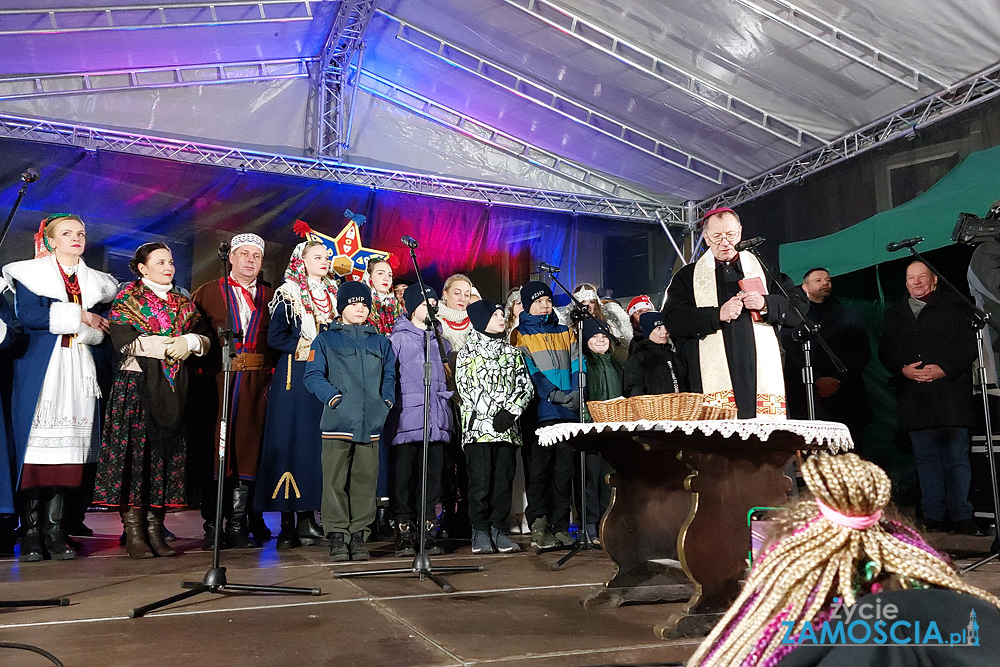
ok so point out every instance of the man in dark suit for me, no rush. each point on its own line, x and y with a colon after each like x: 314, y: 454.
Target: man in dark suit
x: 840, y: 397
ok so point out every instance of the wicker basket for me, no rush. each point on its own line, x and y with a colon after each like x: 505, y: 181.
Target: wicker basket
x: 711, y: 411
x: 615, y: 410
x: 674, y: 407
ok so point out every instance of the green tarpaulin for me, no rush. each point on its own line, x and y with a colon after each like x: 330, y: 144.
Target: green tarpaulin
x: 972, y: 186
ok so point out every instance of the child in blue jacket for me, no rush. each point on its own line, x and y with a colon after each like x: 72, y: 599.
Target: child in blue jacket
x: 360, y: 361
x: 551, y: 354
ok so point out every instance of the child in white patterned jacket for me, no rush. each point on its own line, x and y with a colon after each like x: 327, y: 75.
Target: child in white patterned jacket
x: 495, y: 387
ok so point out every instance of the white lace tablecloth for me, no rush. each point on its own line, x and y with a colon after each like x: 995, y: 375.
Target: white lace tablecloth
x: 831, y: 435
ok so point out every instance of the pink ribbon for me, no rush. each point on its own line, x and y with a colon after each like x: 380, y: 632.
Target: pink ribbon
x: 855, y: 522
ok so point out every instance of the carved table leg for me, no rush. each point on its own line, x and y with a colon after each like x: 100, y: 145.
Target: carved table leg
x: 715, y: 539
x: 639, y: 531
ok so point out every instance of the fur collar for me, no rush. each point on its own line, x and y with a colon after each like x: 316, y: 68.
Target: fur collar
x: 41, y: 276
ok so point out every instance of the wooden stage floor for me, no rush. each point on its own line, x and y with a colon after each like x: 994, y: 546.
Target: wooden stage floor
x: 516, y: 611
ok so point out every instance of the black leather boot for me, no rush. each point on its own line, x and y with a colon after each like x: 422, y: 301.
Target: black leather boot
x: 31, y: 516
x: 237, y: 530
x: 310, y: 533
x: 255, y: 524
x: 207, y: 542
x: 404, y: 540
x: 55, y: 538
x: 287, y: 538
x: 154, y: 530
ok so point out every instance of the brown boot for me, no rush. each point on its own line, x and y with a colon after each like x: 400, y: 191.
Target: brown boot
x: 134, y: 519
x: 154, y: 528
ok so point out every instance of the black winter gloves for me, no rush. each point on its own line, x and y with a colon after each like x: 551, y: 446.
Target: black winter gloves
x: 503, y: 421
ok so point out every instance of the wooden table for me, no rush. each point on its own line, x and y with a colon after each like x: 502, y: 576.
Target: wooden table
x: 677, y: 524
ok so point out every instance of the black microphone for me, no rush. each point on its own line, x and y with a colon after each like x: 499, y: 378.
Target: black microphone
x: 548, y: 268
x: 749, y: 243
x: 224, y: 249
x: 409, y: 242
x: 30, y: 175
x: 905, y: 243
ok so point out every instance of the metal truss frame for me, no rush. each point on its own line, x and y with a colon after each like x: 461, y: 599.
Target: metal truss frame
x: 93, y: 139
x: 56, y: 20
x: 493, y: 137
x: 102, y: 81
x: 556, y: 102
x: 344, y: 41
x: 907, y: 121
x: 827, y: 34
x: 697, y: 87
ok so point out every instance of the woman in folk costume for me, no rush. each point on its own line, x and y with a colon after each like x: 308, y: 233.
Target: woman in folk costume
x: 57, y: 299
x: 290, y: 475
x: 386, y: 308
x: 142, y: 468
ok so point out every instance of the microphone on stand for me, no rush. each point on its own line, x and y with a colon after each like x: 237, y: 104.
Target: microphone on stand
x: 749, y: 243
x: 409, y: 242
x: 548, y: 268
x: 224, y: 250
x: 905, y: 243
x: 30, y: 175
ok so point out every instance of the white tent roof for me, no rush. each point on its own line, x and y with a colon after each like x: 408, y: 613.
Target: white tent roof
x: 671, y: 101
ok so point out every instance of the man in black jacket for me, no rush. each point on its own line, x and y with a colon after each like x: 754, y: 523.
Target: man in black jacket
x: 840, y: 397
x: 929, y: 348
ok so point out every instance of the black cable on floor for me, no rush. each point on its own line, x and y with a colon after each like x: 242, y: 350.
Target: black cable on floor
x: 34, y: 649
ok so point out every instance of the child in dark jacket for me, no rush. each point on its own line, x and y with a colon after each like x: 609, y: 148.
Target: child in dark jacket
x: 495, y: 387
x: 351, y: 368
x: 550, y: 352
x: 653, y: 367
x: 604, y: 382
x: 406, y: 424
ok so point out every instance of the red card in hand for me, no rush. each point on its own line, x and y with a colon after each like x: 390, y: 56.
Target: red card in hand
x: 754, y: 285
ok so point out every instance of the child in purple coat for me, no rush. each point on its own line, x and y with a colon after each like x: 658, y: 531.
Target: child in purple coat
x: 406, y: 423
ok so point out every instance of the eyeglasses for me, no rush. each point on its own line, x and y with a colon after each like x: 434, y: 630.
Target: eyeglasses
x: 716, y: 239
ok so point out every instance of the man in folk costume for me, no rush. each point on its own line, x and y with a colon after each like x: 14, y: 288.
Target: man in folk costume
x: 251, y: 376
x: 726, y: 331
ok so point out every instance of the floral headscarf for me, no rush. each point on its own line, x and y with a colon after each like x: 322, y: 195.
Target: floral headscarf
x: 296, y: 274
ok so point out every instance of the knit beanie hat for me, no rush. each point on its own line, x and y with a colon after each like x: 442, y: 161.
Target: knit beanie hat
x: 593, y: 326
x: 353, y: 291
x: 649, y: 321
x: 532, y: 291
x: 480, y: 313
x: 413, y: 297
